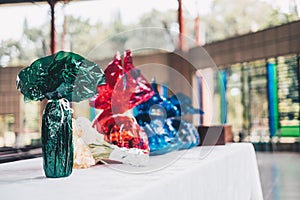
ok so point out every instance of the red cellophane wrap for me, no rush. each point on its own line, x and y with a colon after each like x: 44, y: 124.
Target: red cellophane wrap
x: 125, y: 88
x: 122, y: 130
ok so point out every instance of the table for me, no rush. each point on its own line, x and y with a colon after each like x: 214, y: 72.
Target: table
x: 210, y: 172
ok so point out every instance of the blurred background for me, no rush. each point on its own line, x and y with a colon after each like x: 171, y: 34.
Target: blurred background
x: 254, y: 47
x: 216, y: 25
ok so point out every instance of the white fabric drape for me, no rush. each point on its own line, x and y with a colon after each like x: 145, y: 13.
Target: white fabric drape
x: 208, y: 173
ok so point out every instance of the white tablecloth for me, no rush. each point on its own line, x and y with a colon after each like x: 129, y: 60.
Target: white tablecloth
x: 208, y: 173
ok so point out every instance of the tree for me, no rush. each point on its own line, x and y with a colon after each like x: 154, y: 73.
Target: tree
x: 32, y: 45
x: 235, y: 17
x: 277, y: 18
x: 83, y: 35
x: 35, y: 42
x: 154, y: 30
x: 9, y: 49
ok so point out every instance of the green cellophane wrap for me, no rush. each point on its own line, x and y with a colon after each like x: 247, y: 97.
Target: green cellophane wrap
x: 57, y: 144
x: 61, y: 75
x: 60, y: 78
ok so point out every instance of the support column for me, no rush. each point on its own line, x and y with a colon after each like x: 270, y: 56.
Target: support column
x: 199, y: 83
x: 181, y: 26
x: 246, y: 99
x: 53, y: 32
x: 298, y: 74
x: 197, y: 30
x: 52, y: 45
x: 272, y: 97
x: 207, y: 86
x: 223, y: 99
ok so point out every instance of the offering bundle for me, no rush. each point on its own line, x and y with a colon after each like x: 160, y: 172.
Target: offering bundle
x: 60, y: 78
x: 115, y: 134
x: 161, y: 119
x: 125, y: 88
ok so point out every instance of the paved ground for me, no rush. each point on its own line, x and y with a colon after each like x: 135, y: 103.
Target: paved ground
x: 280, y: 175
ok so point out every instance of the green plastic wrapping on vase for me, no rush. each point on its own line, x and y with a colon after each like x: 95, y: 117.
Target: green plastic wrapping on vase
x: 57, y: 143
x: 61, y: 78
x: 61, y: 75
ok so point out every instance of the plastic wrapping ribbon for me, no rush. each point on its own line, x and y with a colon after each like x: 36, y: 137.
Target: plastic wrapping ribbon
x: 61, y: 78
x: 126, y: 88
x: 64, y: 104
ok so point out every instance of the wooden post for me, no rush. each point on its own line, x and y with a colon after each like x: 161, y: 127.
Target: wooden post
x: 197, y: 30
x: 53, y: 32
x: 181, y: 26
x: 52, y: 45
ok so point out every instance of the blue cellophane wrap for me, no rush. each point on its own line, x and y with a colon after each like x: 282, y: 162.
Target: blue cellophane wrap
x: 161, y: 119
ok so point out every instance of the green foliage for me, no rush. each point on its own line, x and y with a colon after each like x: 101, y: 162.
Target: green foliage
x: 235, y: 17
x: 277, y: 18
x: 9, y: 49
x: 156, y: 18
x: 82, y: 34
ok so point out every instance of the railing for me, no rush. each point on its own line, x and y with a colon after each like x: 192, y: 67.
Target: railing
x: 9, y: 154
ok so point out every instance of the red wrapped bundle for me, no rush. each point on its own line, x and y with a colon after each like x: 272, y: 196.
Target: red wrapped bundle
x: 125, y: 88
x: 113, y: 73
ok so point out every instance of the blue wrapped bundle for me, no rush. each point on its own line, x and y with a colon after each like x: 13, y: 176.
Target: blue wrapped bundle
x: 161, y: 119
